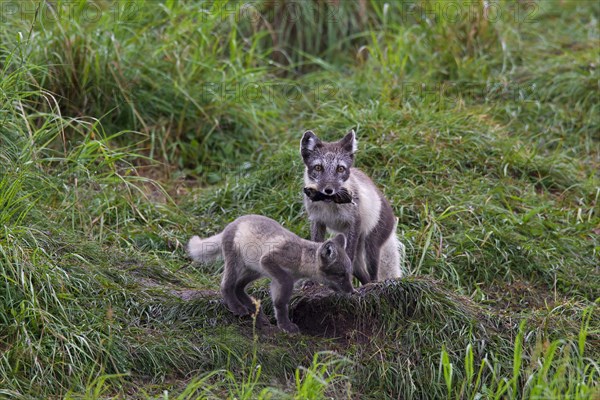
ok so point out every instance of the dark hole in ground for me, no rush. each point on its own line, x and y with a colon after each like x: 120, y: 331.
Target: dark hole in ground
x: 316, y: 312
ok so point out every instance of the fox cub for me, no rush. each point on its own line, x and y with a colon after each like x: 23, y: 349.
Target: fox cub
x: 254, y: 246
x: 343, y: 199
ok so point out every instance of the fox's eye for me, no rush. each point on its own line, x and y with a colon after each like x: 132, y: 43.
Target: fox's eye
x: 318, y: 168
x: 341, y: 168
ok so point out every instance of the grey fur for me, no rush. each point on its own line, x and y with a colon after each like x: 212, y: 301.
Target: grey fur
x: 368, y: 222
x: 255, y: 246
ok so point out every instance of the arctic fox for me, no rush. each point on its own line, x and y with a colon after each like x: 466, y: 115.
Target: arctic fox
x: 343, y: 199
x: 254, y: 246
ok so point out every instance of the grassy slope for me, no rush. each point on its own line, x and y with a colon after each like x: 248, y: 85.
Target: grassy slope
x: 494, y: 176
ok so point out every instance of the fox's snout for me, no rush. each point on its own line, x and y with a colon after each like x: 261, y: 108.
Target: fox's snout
x: 350, y: 290
x: 345, y: 287
x: 328, y: 187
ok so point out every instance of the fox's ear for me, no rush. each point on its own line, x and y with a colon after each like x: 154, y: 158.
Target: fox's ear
x: 349, y: 142
x: 328, y: 251
x: 308, y: 143
x: 340, y: 240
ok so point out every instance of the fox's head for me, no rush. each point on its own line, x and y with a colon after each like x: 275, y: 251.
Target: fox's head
x: 335, y: 267
x: 328, y: 163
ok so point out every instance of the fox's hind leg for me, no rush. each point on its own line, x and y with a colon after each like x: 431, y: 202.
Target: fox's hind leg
x: 233, y: 265
x: 240, y: 289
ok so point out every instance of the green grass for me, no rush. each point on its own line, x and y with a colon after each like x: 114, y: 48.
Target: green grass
x: 127, y: 127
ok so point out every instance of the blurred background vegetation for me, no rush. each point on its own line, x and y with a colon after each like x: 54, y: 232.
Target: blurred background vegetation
x: 126, y: 127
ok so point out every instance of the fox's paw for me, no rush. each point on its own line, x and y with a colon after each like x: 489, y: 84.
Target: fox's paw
x: 238, y: 310
x: 289, y: 327
x: 262, y: 319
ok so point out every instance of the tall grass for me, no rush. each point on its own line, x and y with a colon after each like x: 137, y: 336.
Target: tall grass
x: 191, y: 89
x: 544, y: 370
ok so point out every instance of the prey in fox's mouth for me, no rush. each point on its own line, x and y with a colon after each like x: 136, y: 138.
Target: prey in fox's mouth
x: 341, y: 197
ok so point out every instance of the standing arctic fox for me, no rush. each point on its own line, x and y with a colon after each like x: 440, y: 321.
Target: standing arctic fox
x: 254, y: 246
x: 343, y: 199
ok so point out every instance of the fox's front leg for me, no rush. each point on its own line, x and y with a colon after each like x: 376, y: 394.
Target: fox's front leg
x: 353, y: 235
x: 282, y: 285
x: 281, y: 293
x: 317, y: 231
x: 355, y: 250
x: 359, y: 268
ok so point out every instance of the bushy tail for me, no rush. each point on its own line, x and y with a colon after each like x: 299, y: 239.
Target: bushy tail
x: 205, y: 250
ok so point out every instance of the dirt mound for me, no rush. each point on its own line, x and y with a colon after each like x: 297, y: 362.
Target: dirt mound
x: 377, y: 308
x: 384, y: 307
